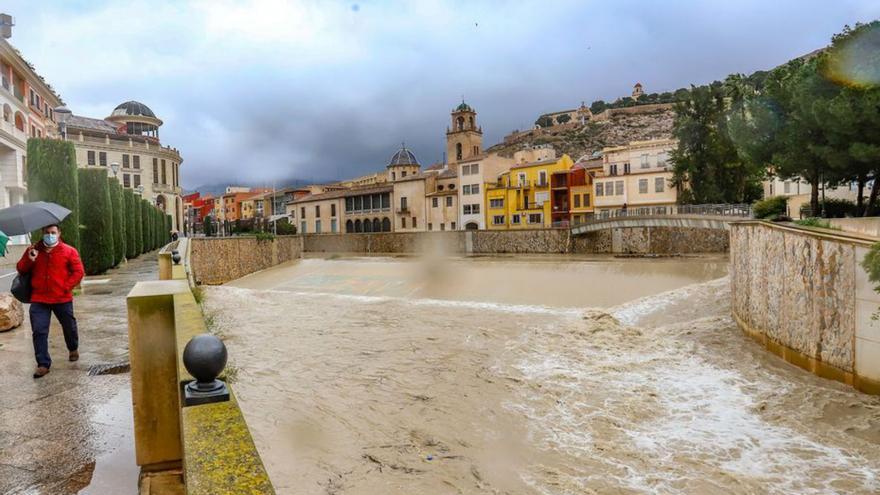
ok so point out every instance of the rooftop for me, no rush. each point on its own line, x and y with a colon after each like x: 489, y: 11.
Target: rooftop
x: 355, y: 191
x: 403, y: 156
x: 131, y: 108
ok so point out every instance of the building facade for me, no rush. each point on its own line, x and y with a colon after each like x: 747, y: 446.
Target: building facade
x: 464, y: 139
x: 636, y: 176
x: 128, y: 141
x: 442, y: 202
x: 28, y: 104
x: 521, y: 197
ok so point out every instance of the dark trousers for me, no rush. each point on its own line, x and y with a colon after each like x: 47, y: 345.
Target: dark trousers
x: 41, y: 315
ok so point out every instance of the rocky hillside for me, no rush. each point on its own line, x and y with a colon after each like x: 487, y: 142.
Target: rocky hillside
x: 578, y: 140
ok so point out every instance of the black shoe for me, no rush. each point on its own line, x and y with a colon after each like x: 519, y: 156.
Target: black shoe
x: 40, y: 372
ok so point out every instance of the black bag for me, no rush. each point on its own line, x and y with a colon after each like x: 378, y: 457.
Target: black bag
x: 21, y: 287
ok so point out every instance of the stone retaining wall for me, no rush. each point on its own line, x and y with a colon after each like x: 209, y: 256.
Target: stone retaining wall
x: 803, y: 294
x: 217, y: 260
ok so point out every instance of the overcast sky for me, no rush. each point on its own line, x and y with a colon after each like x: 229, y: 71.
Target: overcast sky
x: 262, y: 90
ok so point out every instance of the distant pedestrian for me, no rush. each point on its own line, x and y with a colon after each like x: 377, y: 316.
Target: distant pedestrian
x: 55, y: 269
x: 174, y: 235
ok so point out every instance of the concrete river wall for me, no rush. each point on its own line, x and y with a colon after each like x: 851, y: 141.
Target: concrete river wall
x: 217, y: 260
x: 803, y: 294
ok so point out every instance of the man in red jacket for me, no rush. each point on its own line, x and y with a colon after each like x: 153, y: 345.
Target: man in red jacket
x: 55, y: 270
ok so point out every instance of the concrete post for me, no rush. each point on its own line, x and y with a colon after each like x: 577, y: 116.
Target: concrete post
x: 165, y: 265
x: 155, y: 390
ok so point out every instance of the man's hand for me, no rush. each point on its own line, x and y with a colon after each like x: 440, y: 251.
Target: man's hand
x: 32, y: 253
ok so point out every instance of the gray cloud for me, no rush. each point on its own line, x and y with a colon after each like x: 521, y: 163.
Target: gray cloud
x: 267, y: 90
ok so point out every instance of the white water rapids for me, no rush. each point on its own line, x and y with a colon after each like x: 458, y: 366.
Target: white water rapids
x: 372, y: 376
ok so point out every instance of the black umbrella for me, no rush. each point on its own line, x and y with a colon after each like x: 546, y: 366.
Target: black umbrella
x: 27, y: 217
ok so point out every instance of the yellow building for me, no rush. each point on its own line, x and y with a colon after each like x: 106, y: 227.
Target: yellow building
x: 520, y: 199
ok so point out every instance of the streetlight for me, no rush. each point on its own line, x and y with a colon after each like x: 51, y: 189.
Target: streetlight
x: 115, y: 168
x: 62, y: 114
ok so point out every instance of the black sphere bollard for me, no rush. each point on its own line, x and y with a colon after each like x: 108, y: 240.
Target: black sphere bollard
x: 205, y: 357
x: 175, y: 257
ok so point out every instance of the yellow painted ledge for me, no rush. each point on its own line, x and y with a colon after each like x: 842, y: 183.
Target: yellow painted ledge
x: 219, y: 454
x: 809, y: 363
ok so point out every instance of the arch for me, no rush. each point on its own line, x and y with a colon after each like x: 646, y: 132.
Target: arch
x: 161, y: 203
x: 357, y: 226
x: 472, y: 122
x: 19, y: 121
x: 471, y: 226
x: 458, y: 151
x: 349, y: 227
x: 459, y: 123
x: 368, y: 226
x: 386, y: 225
x: 377, y: 225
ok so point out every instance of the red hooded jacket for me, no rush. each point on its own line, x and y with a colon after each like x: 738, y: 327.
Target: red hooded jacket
x: 54, y: 274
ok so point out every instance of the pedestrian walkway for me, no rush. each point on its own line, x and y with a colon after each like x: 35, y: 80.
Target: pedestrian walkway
x: 69, y: 430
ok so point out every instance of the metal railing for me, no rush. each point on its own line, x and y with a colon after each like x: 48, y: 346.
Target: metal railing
x: 723, y: 210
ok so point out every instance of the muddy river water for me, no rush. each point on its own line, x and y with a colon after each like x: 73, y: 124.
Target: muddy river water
x: 529, y: 376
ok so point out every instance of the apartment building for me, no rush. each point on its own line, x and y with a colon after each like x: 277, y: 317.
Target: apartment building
x: 521, y: 197
x: 635, y: 177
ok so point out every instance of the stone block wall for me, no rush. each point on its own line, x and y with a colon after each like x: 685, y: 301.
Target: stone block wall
x: 217, y: 260
x: 519, y: 241
x: 795, y: 291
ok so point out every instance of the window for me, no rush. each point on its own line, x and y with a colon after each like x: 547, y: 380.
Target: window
x: 475, y: 209
x: 126, y: 180
x: 586, y: 200
x: 333, y: 225
x: 626, y: 168
x: 333, y: 210
x: 577, y: 200
x: 452, y: 225
x: 164, y: 174
x: 659, y: 184
x: 358, y: 203
x: 90, y: 156
x: 430, y: 226
x: 475, y: 189
x: 403, y: 222
x: 514, y: 220
x: 302, y: 227
x: 466, y: 209
x: 475, y: 169
x: 440, y: 187
x: 137, y: 180
x: 618, y: 188
x: 443, y: 226
x: 645, y: 161
x: 522, y: 179
x: 317, y: 210
x: 448, y: 200
x: 465, y: 170
x: 458, y: 151
x: 393, y: 176
x: 496, y: 203
x: 125, y: 161
x: 600, y: 189
x: 302, y: 212
x: 102, y: 158
x: 403, y: 204
x: 136, y: 161
x: 542, y: 178
x: 349, y: 204
x: 476, y: 148
x: 415, y: 224
x: 466, y: 189
x: 535, y: 218
x: 498, y: 220
x: 155, y: 170
x: 643, y: 186
x: 612, y: 170
x: 403, y: 174
x: 386, y: 202
x: 434, y: 202
x: 786, y: 186
x: 317, y: 226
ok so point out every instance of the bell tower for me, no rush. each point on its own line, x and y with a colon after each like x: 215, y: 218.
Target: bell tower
x: 464, y: 139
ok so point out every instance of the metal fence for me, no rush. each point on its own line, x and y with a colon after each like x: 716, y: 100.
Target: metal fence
x: 725, y: 210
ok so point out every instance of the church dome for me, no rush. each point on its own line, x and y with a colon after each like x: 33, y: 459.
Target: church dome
x: 464, y: 107
x: 403, y: 157
x: 133, y: 108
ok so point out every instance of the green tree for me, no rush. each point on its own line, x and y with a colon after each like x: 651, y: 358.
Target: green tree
x: 52, y: 176
x: 96, y: 236
x: 544, y: 121
x: 146, y: 242
x: 598, y: 106
x: 117, y: 204
x: 132, y: 225
x: 208, y: 226
x: 563, y: 118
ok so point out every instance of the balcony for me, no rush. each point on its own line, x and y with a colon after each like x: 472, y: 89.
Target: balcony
x: 542, y: 183
x: 403, y: 210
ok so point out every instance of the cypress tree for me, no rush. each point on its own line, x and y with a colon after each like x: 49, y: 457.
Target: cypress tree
x: 144, y: 206
x: 96, y: 216
x: 132, y: 223
x: 52, y: 176
x: 117, y: 203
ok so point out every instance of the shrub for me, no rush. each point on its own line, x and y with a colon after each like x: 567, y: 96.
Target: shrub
x: 773, y: 206
x: 265, y: 236
x: 208, y: 226
x: 839, y: 208
x: 816, y: 222
x: 96, y: 216
x: 52, y: 176
x: 871, y: 264
x: 132, y: 225
x: 117, y: 205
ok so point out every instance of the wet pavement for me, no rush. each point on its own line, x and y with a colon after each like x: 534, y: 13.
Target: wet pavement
x: 70, y: 432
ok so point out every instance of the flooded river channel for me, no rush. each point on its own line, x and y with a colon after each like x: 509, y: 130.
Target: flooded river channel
x: 544, y: 375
